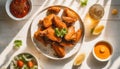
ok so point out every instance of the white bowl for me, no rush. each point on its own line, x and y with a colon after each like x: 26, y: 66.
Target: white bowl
x: 99, y: 59
x: 35, y: 59
x: 7, y: 7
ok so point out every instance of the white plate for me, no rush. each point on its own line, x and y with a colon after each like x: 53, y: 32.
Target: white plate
x: 47, y: 50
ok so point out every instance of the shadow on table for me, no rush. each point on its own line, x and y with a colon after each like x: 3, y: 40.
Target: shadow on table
x: 112, y: 32
x: 112, y: 35
x: 76, y: 67
x: 95, y: 64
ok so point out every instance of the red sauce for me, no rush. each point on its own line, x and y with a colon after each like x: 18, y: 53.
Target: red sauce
x: 19, y: 8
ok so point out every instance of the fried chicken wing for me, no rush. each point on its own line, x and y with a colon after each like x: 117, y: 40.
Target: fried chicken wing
x: 43, y: 32
x: 70, y: 13
x: 47, y: 21
x: 74, y: 36
x: 39, y: 38
x: 68, y: 20
x: 40, y: 24
x: 66, y: 44
x: 71, y: 31
x: 54, y: 9
x: 50, y: 34
x: 58, y: 22
x: 36, y: 34
x: 59, y: 50
x: 78, y: 35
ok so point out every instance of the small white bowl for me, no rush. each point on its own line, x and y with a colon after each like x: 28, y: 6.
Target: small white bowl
x: 35, y: 59
x: 7, y: 7
x: 106, y: 59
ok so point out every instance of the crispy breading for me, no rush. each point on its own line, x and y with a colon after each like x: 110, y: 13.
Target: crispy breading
x: 68, y: 20
x: 66, y: 44
x: 54, y: 9
x: 38, y: 37
x: 78, y: 35
x: 70, y: 13
x: 50, y: 34
x: 59, y: 50
x: 58, y: 22
x: 71, y: 31
x: 47, y: 21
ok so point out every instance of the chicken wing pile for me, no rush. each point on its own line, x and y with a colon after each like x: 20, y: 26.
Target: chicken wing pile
x: 57, y: 31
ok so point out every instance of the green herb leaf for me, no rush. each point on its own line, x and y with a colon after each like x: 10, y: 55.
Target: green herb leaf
x: 92, y: 30
x: 63, y: 32
x: 57, y: 32
x: 17, y: 43
x: 60, y: 33
x: 83, y: 2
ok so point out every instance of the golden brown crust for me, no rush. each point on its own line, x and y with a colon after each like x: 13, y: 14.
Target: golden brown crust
x: 47, y: 21
x: 70, y: 13
x: 58, y: 22
x: 59, y: 50
x: 66, y: 44
x: 50, y: 34
x: 68, y: 20
x: 71, y: 31
x: 78, y: 35
x: 54, y: 10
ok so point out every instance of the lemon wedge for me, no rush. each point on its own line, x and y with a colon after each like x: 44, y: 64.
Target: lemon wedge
x: 79, y: 59
x: 97, y: 30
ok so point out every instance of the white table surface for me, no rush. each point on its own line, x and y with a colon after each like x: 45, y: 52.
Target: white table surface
x: 10, y: 30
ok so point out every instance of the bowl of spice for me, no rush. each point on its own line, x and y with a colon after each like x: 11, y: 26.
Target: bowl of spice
x: 102, y: 51
x: 18, y: 9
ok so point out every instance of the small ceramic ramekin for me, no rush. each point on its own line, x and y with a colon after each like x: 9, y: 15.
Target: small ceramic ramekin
x: 101, y: 59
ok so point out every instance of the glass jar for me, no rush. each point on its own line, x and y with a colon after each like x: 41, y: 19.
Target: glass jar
x: 96, y: 11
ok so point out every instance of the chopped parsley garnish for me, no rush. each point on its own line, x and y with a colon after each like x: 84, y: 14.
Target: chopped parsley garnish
x: 60, y: 33
x: 83, y: 2
x: 17, y: 43
x: 92, y: 30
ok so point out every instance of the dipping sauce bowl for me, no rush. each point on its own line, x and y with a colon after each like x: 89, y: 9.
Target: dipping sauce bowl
x: 102, y: 51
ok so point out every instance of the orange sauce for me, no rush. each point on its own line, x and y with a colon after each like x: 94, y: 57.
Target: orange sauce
x: 102, y: 50
x: 19, y: 8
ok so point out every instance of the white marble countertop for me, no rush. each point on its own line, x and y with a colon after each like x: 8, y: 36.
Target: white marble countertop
x: 9, y: 29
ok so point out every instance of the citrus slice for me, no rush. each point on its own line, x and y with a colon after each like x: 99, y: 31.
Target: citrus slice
x: 79, y: 59
x: 97, y: 30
